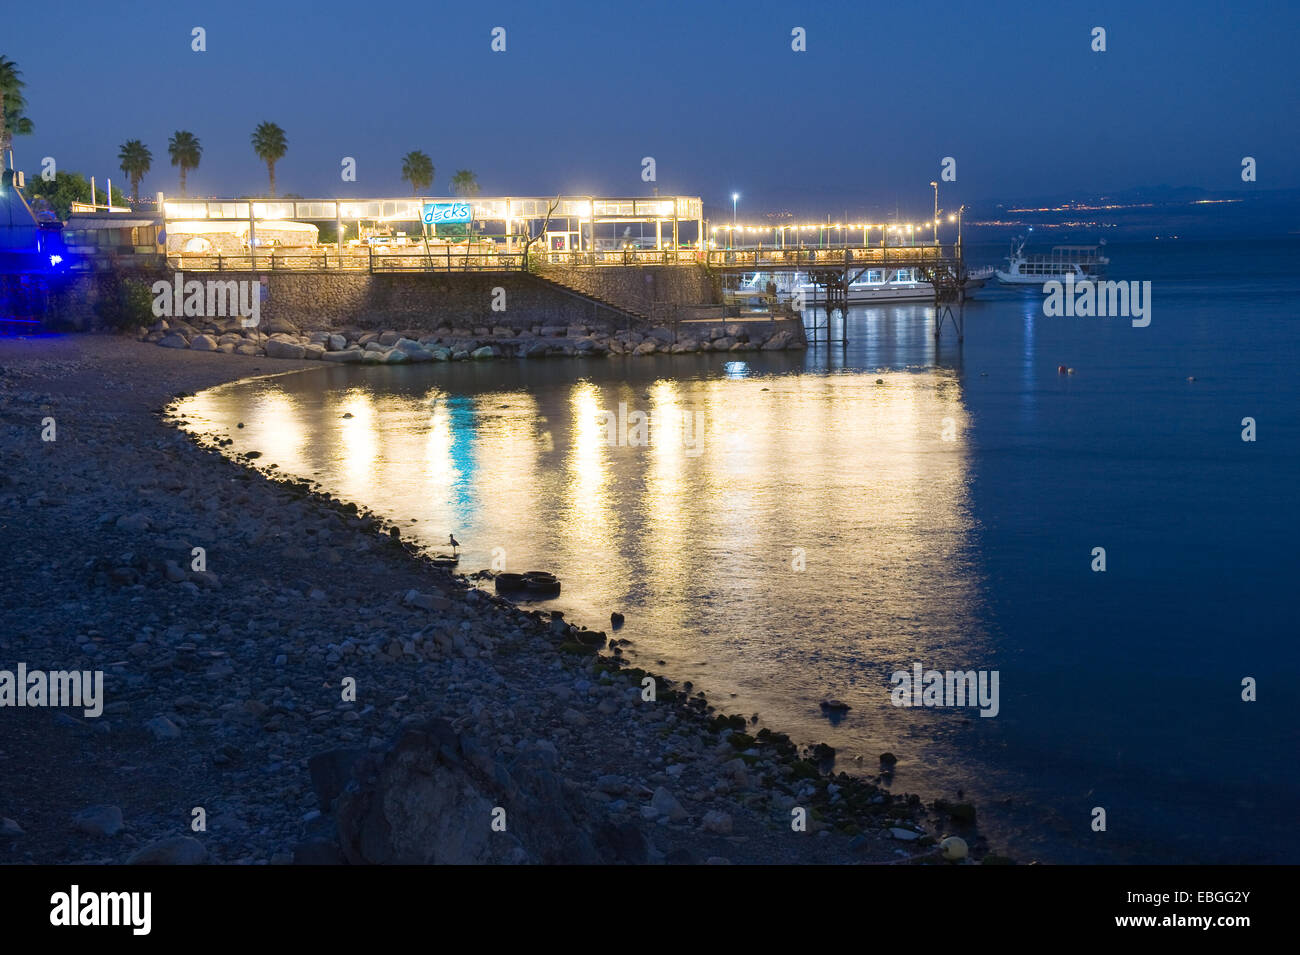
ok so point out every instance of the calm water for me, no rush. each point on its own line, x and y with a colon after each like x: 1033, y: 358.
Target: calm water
x: 943, y: 506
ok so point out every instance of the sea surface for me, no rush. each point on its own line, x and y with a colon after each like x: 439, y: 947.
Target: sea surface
x: 802, y: 526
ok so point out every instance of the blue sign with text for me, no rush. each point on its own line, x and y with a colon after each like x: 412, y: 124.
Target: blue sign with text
x: 435, y: 212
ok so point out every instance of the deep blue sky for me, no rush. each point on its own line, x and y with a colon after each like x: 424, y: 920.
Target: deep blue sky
x: 712, y: 90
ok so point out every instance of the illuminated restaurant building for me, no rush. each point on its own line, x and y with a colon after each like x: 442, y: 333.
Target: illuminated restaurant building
x: 568, y: 223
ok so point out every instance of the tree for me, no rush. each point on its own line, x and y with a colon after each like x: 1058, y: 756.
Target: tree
x: 12, y: 103
x: 185, y: 151
x: 464, y: 183
x: 135, y: 159
x: 65, y: 189
x: 417, y: 169
x: 270, y: 145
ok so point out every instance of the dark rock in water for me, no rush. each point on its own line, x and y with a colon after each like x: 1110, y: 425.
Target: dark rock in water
x: 961, y: 813
x: 888, y: 759
x: 835, y: 706
x: 431, y: 798
x: 823, y: 753
x: 330, y: 773
x: 616, y: 620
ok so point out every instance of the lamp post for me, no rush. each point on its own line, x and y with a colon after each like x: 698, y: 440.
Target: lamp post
x: 735, y: 197
x: 936, y: 212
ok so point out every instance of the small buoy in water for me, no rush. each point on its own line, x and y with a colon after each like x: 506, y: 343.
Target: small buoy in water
x: 240, y: 425
x: 1061, y: 369
x: 616, y: 620
x: 880, y: 381
x: 1191, y: 377
x: 984, y: 374
x: 954, y: 848
x: 1069, y: 371
x: 347, y: 414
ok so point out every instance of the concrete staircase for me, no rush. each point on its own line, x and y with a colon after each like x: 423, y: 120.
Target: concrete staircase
x: 623, y: 312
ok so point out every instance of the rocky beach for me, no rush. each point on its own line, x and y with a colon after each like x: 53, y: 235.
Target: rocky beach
x: 311, y: 688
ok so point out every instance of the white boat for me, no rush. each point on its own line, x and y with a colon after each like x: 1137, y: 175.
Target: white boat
x: 873, y: 285
x: 1082, y: 263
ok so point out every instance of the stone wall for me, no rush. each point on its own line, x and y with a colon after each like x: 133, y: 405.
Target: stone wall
x: 641, y: 287
x: 431, y: 300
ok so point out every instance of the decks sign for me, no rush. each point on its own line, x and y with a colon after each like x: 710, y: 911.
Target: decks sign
x: 436, y: 212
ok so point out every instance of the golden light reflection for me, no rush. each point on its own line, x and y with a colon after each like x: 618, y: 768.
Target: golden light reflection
x: 357, y: 450
x: 587, y: 465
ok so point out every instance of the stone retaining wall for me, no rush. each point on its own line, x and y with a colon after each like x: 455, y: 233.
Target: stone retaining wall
x: 430, y: 300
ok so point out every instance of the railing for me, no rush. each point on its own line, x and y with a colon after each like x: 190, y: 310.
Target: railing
x: 799, y: 259
x: 485, y: 257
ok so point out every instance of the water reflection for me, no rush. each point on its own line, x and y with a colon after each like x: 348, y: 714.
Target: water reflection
x: 783, y: 537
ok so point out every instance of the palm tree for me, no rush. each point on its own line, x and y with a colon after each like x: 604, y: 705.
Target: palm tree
x: 185, y: 151
x: 12, y: 103
x: 270, y: 145
x: 135, y: 160
x: 464, y: 183
x: 417, y: 169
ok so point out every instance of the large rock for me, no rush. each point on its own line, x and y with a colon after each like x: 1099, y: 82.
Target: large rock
x: 778, y: 341
x: 281, y: 349
x: 175, y: 850
x: 665, y: 804
x: 98, y: 820
x: 431, y: 797
x: 413, y: 350
x: 351, y: 355
x: 645, y: 348
x: 487, y: 351
x: 174, y: 340
x: 337, y: 342
x: 204, y: 343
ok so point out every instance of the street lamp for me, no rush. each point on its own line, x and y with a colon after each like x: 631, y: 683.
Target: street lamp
x: 957, y: 217
x: 936, y: 212
x: 735, y: 197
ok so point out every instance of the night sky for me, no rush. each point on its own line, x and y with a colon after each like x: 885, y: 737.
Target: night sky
x: 712, y: 91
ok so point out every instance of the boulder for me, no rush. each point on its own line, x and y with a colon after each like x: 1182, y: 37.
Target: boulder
x: 645, y: 348
x: 487, y: 351
x: 98, y: 820
x: 174, y: 340
x: 175, y: 850
x: 337, y: 342
x: 413, y: 350
x: 351, y: 355
x: 313, y: 351
x: 431, y: 798
x: 204, y: 343
x: 276, y: 348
